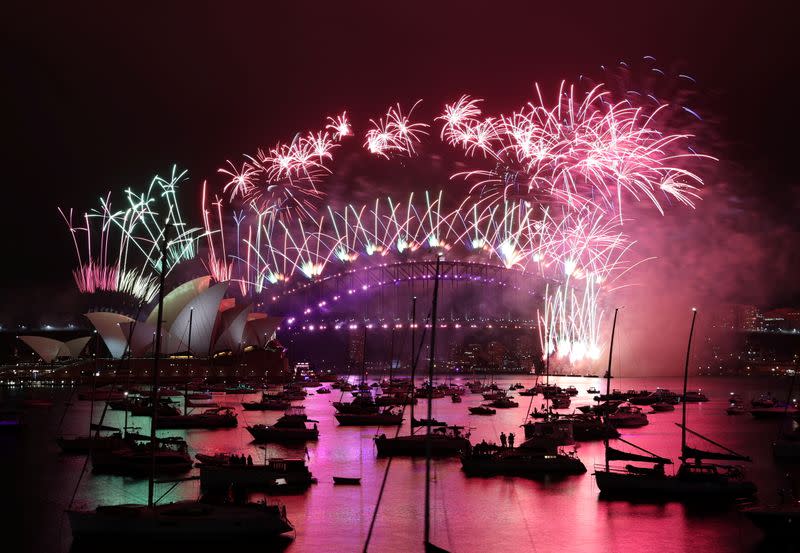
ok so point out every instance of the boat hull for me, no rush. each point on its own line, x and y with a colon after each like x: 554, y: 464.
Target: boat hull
x: 776, y: 522
x: 282, y: 435
x: 179, y: 522
x: 264, y: 477
x: 623, y: 485
x: 416, y: 446
x: 524, y: 466
x: 346, y: 419
x: 198, y: 421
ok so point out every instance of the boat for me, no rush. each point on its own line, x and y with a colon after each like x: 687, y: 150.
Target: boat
x: 395, y: 399
x: 588, y: 428
x: 80, y: 445
x: 696, y: 479
x: 659, y: 396
x: 275, y: 475
x: 503, y: 403
x: 531, y: 459
x: 736, y: 409
x: 601, y: 408
x: 215, y: 459
x: 662, y: 407
x: 494, y: 395
x: 571, y: 391
x: 386, y: 417
x: 560, y: 401
x: 482, y: 410
x: 779, y: 521
x: 427, y: 422
x: 557, y: 430
x: 529, y: 392
x: 182, y: 522
x: 592, y: 390
x: 346, y: 481
x: 144, y: 408
x: 627, y: 416
x: 219, y: 417
x: 456, y: 398
x: 268, y: 403
x: 444, y: 442
x: 323, y: 390
x: 694, y: 397
x: 764, y: 400
x: 362, y: 404
x: 169, y: 456
x: 291, y: 427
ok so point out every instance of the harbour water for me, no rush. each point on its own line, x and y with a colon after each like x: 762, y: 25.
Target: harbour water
x: 468, y: 514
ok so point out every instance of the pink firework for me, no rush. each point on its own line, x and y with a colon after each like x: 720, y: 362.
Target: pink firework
x: 396, y: 134
x: 339, y: 126
x: 582, y: 151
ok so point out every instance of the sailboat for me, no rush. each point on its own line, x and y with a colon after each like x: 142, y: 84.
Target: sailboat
x: 182, y: 521
x: 695, y: 479
x: 444, y: 440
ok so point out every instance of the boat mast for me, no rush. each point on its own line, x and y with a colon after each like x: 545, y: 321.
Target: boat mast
x: 430, y: 405
x: 686, y: 381
x: 156, y: 354
x: 608, y: 376
x: 364, y: 357
x: 413, y: 359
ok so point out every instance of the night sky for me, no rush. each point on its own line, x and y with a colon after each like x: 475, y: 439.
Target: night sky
x: 98, y: 98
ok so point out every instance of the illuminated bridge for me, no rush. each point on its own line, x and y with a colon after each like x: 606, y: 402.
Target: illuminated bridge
x: 468, y: 290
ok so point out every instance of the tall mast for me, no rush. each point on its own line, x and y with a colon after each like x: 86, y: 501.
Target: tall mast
x: 608, y: 375
x: 430, y: 406
x: 413, y: 392
x: 391, y: 356
x: 686, y: 381
x: 156, y: 354
x: 364, y: 357
x: 610, y: 351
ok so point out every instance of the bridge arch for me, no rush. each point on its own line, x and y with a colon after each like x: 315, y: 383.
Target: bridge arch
x: 321, y: 295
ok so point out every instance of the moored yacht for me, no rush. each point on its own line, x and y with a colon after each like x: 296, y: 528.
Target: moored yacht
x: 181, y: 522
x: 291, y: 427
x: 389, y: 416
x: 627, y: 416
x: 444, y: 442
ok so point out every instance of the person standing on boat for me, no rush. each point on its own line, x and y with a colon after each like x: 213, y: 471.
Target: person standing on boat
x: 511, y: 440
x: 503, y: 440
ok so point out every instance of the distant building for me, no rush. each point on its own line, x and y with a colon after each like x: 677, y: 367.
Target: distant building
x: 355, y: 348
x: 736, y: 318
x: 784, y: 319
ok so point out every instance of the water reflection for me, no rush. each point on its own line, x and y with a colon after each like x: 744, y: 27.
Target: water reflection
x: 469, y: 514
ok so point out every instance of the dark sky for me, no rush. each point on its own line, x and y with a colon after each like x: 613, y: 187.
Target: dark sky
x: 98, y: 96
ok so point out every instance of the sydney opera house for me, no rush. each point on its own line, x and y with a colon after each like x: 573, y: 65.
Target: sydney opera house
x: 204, y: 336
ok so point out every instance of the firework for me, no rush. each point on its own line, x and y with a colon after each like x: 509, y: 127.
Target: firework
x: 549, y: 186
x: 395, y: 134
x: 117, y: 251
